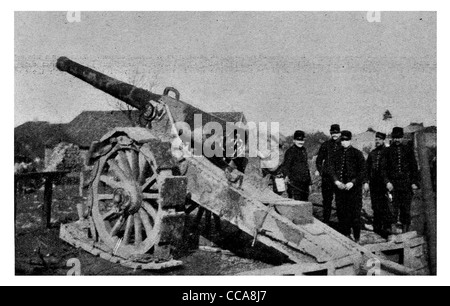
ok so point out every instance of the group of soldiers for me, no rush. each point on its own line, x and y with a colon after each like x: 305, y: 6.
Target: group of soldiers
x: 390, y: 173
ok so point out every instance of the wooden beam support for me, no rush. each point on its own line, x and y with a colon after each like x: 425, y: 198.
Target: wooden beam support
x: 429, y: 200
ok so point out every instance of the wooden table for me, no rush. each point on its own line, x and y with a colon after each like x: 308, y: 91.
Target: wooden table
x: 49, y: 178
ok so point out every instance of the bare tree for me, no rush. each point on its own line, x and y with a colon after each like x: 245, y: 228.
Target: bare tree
x: 138, y: 79
x: 387, y: 115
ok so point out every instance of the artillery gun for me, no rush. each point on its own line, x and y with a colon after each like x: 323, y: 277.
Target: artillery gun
x: 143, y: 186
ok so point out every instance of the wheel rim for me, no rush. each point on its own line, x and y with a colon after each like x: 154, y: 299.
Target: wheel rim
x: 126, y: 200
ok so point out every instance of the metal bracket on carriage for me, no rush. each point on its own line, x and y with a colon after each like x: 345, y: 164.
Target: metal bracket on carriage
x: 260, y: 223
x: 124, y: 140
x: 154, y: 111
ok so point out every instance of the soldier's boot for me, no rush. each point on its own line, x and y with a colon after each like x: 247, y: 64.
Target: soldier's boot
x: 405, y: 228
x: 384, y: 233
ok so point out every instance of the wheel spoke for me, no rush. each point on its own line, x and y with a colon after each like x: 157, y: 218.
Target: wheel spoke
x: 110, y: 181
x: 192, y: 206
x: 146, y: 222
x: 134, y: 162
x: 123, y: 164
x: 103, y: 197
x: 127, y: 175
x: 217, y: 223
x: 208, y: 217
x: 190, y: 209
x: 137, y: 229
x: 151, y: 196
x: 146, y: 152
x: 150, y: 210
x: 128, y: 229
x: 116, y: 170
x: 200, y: 212
x: 149, y: 182
x: 110, y: 214
x: 117, y: 226
x: 143, y: 168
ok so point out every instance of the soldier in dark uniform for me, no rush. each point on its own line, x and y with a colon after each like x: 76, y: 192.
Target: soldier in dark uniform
x: 401, y: 177
x: 327, y: 149
x: 375, y: 164
x: 348, y: 171
x: 296, y: 169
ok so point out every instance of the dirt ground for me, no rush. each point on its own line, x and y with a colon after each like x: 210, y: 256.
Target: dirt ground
x: 39, y: 251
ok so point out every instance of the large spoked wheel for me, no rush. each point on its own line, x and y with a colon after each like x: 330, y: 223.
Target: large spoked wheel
x: 126, y: 200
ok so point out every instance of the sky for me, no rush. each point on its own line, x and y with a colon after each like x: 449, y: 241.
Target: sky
x: 305, y: 70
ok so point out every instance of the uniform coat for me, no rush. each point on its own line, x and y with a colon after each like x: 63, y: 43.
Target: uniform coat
x: 348, y: 165
x: 296, y: 168
x: 327, y: 149
x: 381, y: 213
x: 401, y: 171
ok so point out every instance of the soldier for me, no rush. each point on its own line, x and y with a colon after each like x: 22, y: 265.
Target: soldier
x: 348, y: 172
x: 327, y: 149
x: 401, y: 177
x: 375, y: 165
x: 296, y: 169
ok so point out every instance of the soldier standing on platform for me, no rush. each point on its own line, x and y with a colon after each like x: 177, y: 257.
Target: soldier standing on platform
x: 375, y: 165
x: 296, y: 169
x: 348, y: 172
x: 327, y: 149
x: 401, y: 177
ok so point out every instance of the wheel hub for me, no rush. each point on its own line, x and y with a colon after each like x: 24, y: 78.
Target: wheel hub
x: 121, y: 199
x: 128, y: 199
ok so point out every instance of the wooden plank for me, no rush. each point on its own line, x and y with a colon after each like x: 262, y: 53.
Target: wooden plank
x: 211, y: 190
x: 302, y: 268
x: 377, y: 247
x: 72, y: 234
x: 429, y: 201
x: 381, y: 247
x: 96, y: 252
x: 288, y: 269
x: 151, y: 266
x: 317, y: 228
x: 105, y: 256
x: 347, y: 270
x: 115, y: 259
x: 285, y: 202
x: 416, y: 242
x: 414, y: 258
x: 402, y: 237
x: 417, y: 251
x: 47, y: 207
x: 395, y: 268
x: 103, y: 247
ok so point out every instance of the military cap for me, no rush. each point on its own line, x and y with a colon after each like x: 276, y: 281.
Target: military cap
x: 335, y: 128
x: 397, y: 132
x: 380, y: 135
x: 346, y: 135
x: 299, y: 135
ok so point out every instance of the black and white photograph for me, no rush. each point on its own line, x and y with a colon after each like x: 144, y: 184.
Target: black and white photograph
x: 225, y: 143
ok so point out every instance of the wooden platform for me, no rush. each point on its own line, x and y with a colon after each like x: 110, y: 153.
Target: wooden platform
x: 407, y: 249
x: 404, y: 254
x: 77, y: 235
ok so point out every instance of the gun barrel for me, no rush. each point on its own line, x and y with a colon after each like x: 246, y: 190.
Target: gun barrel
x: 132, y: 95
